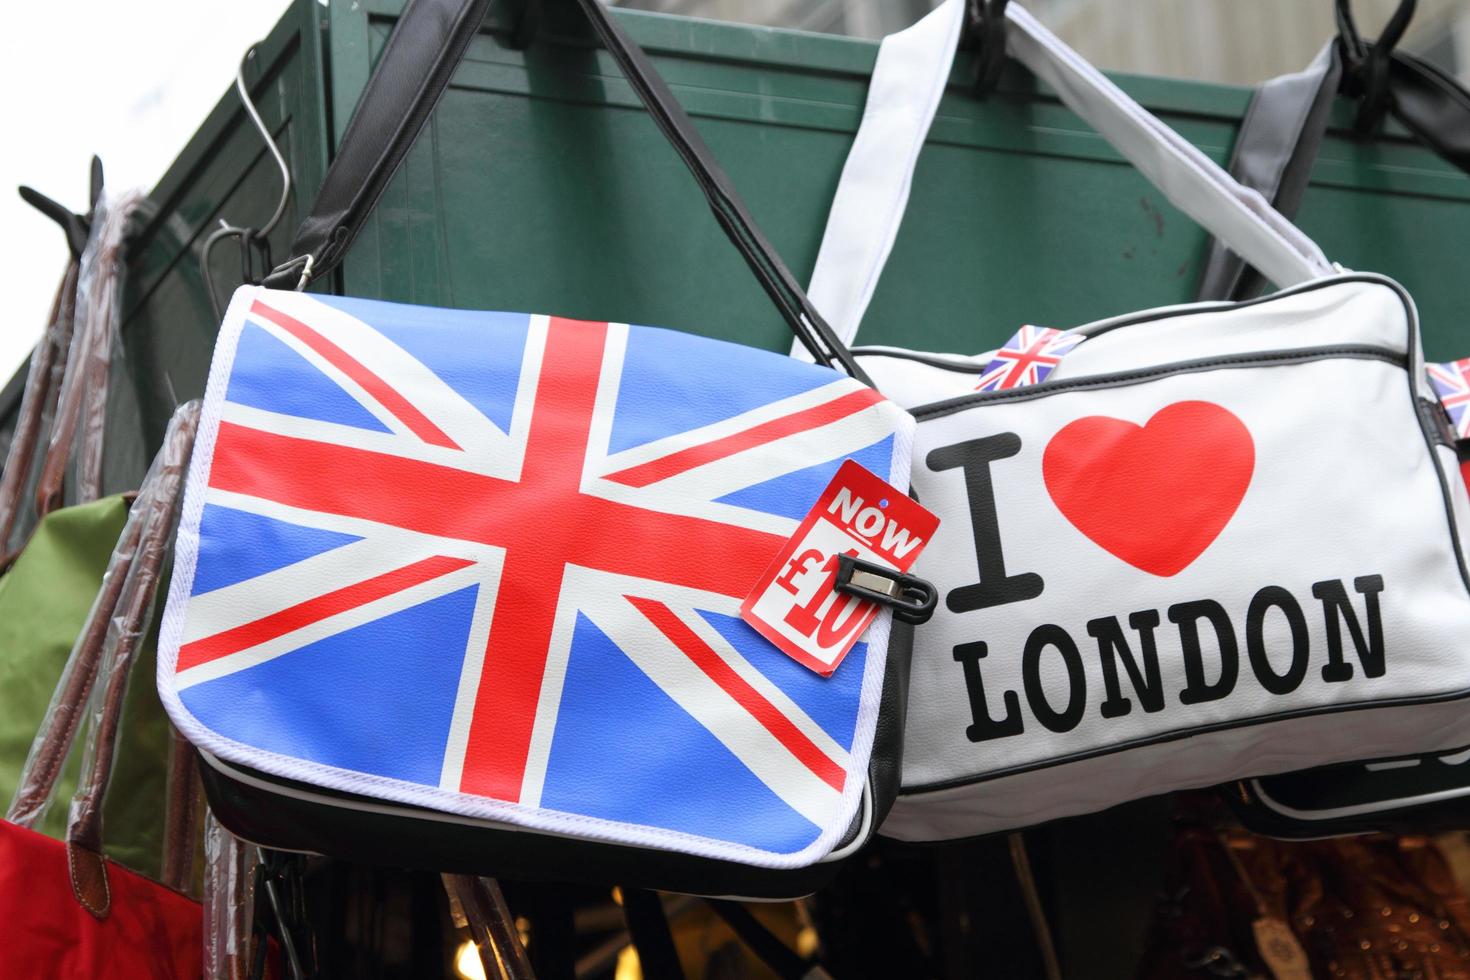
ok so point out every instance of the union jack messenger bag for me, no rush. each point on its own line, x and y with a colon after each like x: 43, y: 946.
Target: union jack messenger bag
x: 1177, y: 547
x: 462, y: 590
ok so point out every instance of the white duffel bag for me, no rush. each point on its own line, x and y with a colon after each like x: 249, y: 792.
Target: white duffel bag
x: 1217, y: 541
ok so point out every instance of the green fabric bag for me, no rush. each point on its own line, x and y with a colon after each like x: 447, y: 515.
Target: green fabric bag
x: 44, y: 601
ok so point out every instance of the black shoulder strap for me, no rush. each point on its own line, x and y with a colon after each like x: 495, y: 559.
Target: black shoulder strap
x: 1431, y: 105
x: 1282, y: 133
x: 413, y: 72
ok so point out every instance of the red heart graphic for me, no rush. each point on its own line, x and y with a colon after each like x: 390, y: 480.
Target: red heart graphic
x: 1154, y: 495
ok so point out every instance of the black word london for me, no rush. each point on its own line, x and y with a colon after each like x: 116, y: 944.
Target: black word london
x: 1128, y: 657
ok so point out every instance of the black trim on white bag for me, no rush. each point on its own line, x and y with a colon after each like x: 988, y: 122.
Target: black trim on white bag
x: 1427, y: 810
x: 912, y: 69
x: 1125, y: 379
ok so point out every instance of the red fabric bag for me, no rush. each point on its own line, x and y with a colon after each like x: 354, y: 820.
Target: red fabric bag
x: 147, y: 931
x: 67, y: 911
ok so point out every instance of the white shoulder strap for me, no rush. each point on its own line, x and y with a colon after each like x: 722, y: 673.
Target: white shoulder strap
x: 909, y: 77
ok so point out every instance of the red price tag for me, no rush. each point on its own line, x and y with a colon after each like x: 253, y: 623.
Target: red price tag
x: 795, y: 604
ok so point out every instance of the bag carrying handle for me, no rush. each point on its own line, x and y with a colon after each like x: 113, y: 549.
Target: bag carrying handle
x: 155, y: 510
x: 28, y: 438
x: 1278, y: 141
x: 63, y: 720
x: 421, y: 54
x: 97, y: 672
x: 908, y: 82
x: 79, y: 424
x: 1282, y: 134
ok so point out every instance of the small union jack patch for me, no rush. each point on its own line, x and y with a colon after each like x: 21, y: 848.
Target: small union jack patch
x: 1027, y: 358
x: 1452, y: 383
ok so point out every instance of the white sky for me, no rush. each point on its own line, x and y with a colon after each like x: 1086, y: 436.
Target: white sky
x: 130, y: 82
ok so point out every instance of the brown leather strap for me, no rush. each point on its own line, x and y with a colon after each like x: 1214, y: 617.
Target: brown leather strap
x: 81, y: 411
x: 181, y: 818
x: 154, y: 513
x: 39, y: 394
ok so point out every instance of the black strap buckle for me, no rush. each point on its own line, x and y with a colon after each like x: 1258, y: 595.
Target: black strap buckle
x: 254, y: 248
x: 985, y: 30
x: 912, y: 599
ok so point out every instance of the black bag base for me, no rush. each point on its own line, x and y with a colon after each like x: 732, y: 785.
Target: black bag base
x: 289, y: 815
x: 286, y: 815
x: 1413, y: 794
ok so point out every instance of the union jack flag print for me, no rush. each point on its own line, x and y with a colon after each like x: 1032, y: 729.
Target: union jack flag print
x: 492, y: 563
x: 1027, y: 358
x: 1452, y: 383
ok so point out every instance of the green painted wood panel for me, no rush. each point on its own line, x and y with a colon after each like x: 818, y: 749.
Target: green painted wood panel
x: 225, y: 172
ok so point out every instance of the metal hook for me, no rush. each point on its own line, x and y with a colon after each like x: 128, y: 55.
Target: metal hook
x: 249, y: 238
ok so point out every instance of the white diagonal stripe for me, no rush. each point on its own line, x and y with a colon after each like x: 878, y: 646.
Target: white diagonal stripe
x: 469, y: 682
x: 708, y: 703
x: 344, y: 524
x: 323, y: 628
x: 656, y: 498
x: 778, y: 457
x: 354, y: 390
x: 264, y: 595
x: 421, y: 387
x: 659, y: 448
x: 763, y: 685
